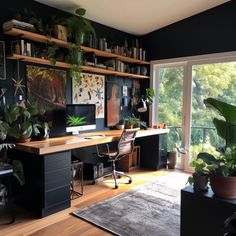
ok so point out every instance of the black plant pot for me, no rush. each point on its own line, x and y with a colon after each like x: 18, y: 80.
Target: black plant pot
x: 200, y: 182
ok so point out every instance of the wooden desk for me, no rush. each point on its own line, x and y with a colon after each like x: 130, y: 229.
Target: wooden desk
x: 47, y: 167
x: 69, y: 142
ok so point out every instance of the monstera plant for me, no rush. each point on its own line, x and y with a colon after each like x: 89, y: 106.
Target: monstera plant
x: 222, y: 167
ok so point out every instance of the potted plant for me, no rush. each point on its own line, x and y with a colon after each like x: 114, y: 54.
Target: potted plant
x: 131, y: 122
x: 78, y: 28
x: 200, y: 177
x: 23, y: 121
x: 174, y: 148
x: 222, y: 167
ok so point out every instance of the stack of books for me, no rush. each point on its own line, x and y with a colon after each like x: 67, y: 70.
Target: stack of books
x: 8, y: 25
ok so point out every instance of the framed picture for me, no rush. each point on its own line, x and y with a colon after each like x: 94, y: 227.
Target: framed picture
x: 2, y: 61
x: 113, y: 104
x: 90, y: 91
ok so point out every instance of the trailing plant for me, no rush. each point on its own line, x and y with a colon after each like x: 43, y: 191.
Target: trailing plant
x: 79, y: 28
x: 51, y: 51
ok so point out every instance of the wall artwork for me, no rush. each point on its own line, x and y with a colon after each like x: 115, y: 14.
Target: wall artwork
x: 113, y: 104
x: 2, y: 61
x: 46, y: 87
x: 90, y: 91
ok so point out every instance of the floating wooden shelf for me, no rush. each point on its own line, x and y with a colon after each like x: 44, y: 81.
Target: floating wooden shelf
x: 113, y: 55
x: 43, y: 39
x: 37, y: 60
x: 67, y: 65
x: 36, y: 37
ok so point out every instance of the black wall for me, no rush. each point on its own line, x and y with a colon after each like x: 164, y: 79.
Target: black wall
x: 211, y: 31
x: 7, y: 11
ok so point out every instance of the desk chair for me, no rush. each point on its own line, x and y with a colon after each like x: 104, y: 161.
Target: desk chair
x: 125, y: 146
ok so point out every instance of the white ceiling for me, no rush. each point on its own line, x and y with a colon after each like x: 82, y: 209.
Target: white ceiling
x: 137, y: 17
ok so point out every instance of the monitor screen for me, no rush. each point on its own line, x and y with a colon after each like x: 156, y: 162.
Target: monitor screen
x: 80, y: 117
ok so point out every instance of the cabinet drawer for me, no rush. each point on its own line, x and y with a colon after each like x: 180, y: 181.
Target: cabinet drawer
x: 57, y: 161
x: 57, y: 178
x: 56, y: 196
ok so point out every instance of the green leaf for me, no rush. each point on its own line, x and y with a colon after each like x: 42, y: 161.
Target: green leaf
x: 228, y: 111
x: 80, y: 11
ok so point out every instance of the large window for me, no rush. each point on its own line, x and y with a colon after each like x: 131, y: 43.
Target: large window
x: 181, y: 86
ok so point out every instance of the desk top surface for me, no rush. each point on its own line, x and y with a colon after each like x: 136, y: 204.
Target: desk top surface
x: 69, y: 142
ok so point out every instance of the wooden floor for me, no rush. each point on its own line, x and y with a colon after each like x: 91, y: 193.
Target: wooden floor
x: 64, y: 224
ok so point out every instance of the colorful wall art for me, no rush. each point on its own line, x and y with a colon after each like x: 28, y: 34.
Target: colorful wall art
x: 113, y: 104
x: 90, y: 91
x: 46, y: 87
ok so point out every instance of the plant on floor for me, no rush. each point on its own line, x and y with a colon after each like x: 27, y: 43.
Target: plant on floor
x: 174, y: 146
x: 222, y: 167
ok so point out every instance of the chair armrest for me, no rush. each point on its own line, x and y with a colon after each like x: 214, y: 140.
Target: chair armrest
x: 98, y: 151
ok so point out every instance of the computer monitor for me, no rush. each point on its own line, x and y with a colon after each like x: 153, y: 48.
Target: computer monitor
x: 80, y: 117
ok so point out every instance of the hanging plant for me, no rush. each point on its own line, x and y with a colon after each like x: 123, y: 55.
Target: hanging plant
x: 79, y: 28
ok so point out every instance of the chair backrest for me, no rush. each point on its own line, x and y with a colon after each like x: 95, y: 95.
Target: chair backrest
x: 126, y: 142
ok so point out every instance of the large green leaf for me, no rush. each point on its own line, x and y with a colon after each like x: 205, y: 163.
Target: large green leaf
x: 226, y: 130
x: 208, y: 158
x: 228, y: 111
x: 11, y: 113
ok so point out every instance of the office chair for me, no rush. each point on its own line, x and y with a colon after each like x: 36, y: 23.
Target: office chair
x: 125, y: 146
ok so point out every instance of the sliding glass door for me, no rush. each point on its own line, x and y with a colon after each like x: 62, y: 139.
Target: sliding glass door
x: 217, y: 80
x: 170, y: 103
x: 181, y: 87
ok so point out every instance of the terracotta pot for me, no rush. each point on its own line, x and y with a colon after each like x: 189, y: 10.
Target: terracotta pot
x: 224, y: 187
x: 172, y: 157
x: 23, y: 140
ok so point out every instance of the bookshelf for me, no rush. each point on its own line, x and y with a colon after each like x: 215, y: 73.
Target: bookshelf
x: 44, y: 39
x: 67, y: 65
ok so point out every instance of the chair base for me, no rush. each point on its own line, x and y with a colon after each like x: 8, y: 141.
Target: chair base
x: 116, y: 173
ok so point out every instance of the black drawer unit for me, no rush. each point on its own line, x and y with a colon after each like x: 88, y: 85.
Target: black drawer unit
x: 153, y: 151
x: 47, y: 182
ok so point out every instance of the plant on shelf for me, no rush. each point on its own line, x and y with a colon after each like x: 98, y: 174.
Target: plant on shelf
x: 51, y: 52
x: 222, y: 167
x: 200, y: 177
x: 150, y: 94
x: 23, y: 121
x: 78, y: 28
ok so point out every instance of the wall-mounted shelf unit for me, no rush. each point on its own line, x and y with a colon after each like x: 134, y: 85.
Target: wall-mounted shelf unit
x: 44, y: 39
x: 67, y: 65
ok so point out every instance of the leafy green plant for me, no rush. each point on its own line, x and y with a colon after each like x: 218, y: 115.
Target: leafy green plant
x: 200, y: 168
x: 22, y: 120
x: 225, y: 162
x: 79, y: 28
x: 75, y: 120
x: 131, y: 122
x: 150, y: 94
x: 51, y: 51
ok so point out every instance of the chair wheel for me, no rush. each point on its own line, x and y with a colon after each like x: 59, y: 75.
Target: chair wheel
x: 119, y: 176
x: 130, y: 181
x: 116, y: 186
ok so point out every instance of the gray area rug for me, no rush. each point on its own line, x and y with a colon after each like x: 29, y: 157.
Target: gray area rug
x: 150, y: 209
